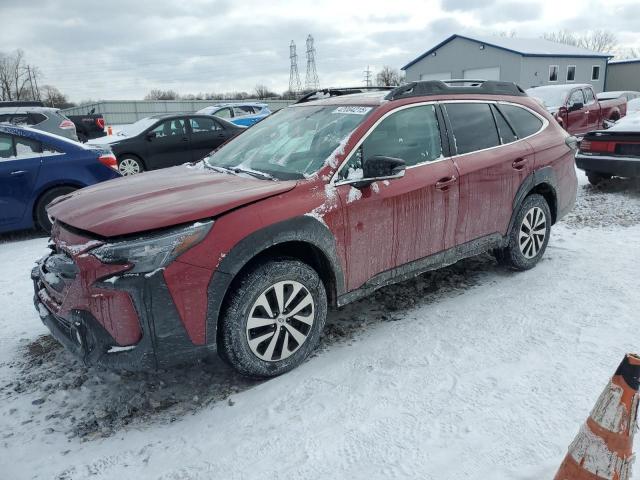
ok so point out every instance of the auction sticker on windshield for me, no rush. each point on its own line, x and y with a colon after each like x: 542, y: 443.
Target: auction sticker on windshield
x: 353, y: 110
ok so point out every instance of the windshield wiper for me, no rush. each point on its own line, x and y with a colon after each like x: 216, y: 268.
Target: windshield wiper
x: 253, y: 173
x: 237, y: 170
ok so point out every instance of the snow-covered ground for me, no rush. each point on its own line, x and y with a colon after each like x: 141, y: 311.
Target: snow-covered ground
x: 471, y: 372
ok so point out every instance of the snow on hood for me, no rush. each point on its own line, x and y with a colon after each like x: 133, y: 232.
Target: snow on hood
x: 159, y: 199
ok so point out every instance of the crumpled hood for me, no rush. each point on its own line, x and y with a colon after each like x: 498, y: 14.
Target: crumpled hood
x: 160, y: 199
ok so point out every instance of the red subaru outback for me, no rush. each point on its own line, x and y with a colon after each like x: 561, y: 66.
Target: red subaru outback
x: 315, y: 206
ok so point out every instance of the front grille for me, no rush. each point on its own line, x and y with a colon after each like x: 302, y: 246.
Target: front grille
x: 629, y: 149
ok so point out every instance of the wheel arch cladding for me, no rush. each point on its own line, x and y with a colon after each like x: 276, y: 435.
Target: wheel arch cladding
x: 542, y: 182
x: 303, y: 238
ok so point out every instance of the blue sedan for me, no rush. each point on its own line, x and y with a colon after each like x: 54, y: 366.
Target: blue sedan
x: 36, y: 167
x: 245, y: 113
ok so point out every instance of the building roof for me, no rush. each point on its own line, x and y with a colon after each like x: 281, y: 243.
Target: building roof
x: 527, y: 47
x: 626, y: 60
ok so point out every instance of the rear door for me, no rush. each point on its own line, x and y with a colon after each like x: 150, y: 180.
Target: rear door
x: 170, y: 144
x: 20, y: 160
x: 206, y: 135
x: 492, y: 163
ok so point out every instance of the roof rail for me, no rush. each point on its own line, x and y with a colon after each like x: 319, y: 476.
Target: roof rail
x: 456, y: 86
x: 336, y: 92
x: 22, y: 104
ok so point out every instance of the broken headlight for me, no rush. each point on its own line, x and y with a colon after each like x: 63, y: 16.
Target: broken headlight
x: 155, y: 251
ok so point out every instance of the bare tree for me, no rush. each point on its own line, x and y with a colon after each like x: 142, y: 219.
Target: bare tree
x: 262, y: 91
x: 596, y: 40
x: 18, y: 79
x: 388, y: 77
x: 52, y: 97
x: 157, y: 94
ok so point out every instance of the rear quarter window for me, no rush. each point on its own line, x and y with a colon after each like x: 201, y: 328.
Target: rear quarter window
x: 473, y: 126
x: 523, y: 122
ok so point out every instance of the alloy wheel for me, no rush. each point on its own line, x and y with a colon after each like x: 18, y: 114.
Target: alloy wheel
x: 280, y: 320
x: 128, y: 166
x: 533, y: 231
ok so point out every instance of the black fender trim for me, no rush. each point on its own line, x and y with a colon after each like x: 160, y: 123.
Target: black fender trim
x: 545, y: 175
x: 305, y: 229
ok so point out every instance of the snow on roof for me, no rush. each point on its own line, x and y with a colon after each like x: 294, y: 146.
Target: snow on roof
x: 528, y: 47
x: 626, y: 60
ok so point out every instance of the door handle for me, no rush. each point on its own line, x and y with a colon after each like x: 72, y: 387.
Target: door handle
x: 444, y: 183
x: 185, y: 139
x: 18, y: 172
x: 519, y: 163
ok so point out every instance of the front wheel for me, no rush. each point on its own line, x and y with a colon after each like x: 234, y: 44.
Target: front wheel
x: 529, y: 236
x: 273, y: 319
x: 130, y: 166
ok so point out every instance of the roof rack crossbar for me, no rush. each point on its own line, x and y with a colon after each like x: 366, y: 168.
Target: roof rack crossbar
x: 455, y: 86
x: 335, y: 92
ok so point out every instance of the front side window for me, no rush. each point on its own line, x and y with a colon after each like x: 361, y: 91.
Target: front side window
x: 6, y: 147
x: 294, y: 143
x: 242, y: 111
x: 553, y: 73
x: 523, y: 122
x: 595, y: 72
x: 473, y: 126
x: 576, y: 97
x: 27, y: 148
x: 203, y: 125
x: 571, y: 73
x: 411, y: 134
x: 169, y: 128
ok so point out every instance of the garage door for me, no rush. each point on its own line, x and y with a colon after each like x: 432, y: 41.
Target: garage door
x: 491, y: 73
x: 436, y: 76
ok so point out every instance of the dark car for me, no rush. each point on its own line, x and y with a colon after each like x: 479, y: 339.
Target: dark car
x: 37, y: 167
x: 167, y: 140
x: 88, y: 126
x: 612, y: 152
x: 314, y: 207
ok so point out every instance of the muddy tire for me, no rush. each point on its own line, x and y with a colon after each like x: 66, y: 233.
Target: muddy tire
x: 529, y: 236
x: 42, y: 219
x: 273, y: 318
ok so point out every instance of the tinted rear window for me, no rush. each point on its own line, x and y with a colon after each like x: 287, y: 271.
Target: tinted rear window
x: 473, y: 126
x: 523, y: 122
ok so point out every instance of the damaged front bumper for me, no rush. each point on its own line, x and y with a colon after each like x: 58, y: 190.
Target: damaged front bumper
x: 164, y: 341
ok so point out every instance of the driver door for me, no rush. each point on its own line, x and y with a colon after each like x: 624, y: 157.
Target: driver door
x: 578, y: 119
x: 394, y: 222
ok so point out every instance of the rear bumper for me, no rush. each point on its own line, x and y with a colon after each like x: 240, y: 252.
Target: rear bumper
x: 164, y: 341
x: 617, y: 166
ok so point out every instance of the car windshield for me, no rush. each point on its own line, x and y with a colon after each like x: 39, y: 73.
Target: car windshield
x: 137, y: 128
x: 292, y: 143
x: 552, y: 97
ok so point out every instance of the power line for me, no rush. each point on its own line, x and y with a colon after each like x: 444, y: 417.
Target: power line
x: 367, y: 76
x: 311, y: 81
x: 294, y: 77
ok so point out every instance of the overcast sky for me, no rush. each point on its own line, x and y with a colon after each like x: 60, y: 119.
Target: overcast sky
x: 119, y: 49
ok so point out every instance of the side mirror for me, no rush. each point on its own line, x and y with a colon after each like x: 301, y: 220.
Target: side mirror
x: 381, y: 168
x: 576, y: 106
x: 150, y: 135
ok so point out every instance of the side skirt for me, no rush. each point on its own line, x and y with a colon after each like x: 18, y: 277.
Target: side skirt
x: 432, y: 262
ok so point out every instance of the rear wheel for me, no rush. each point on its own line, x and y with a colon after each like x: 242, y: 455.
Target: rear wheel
x: 529, y: 236
x: 273, y: 319
x: 129, y: 165
x: 44, y: 221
